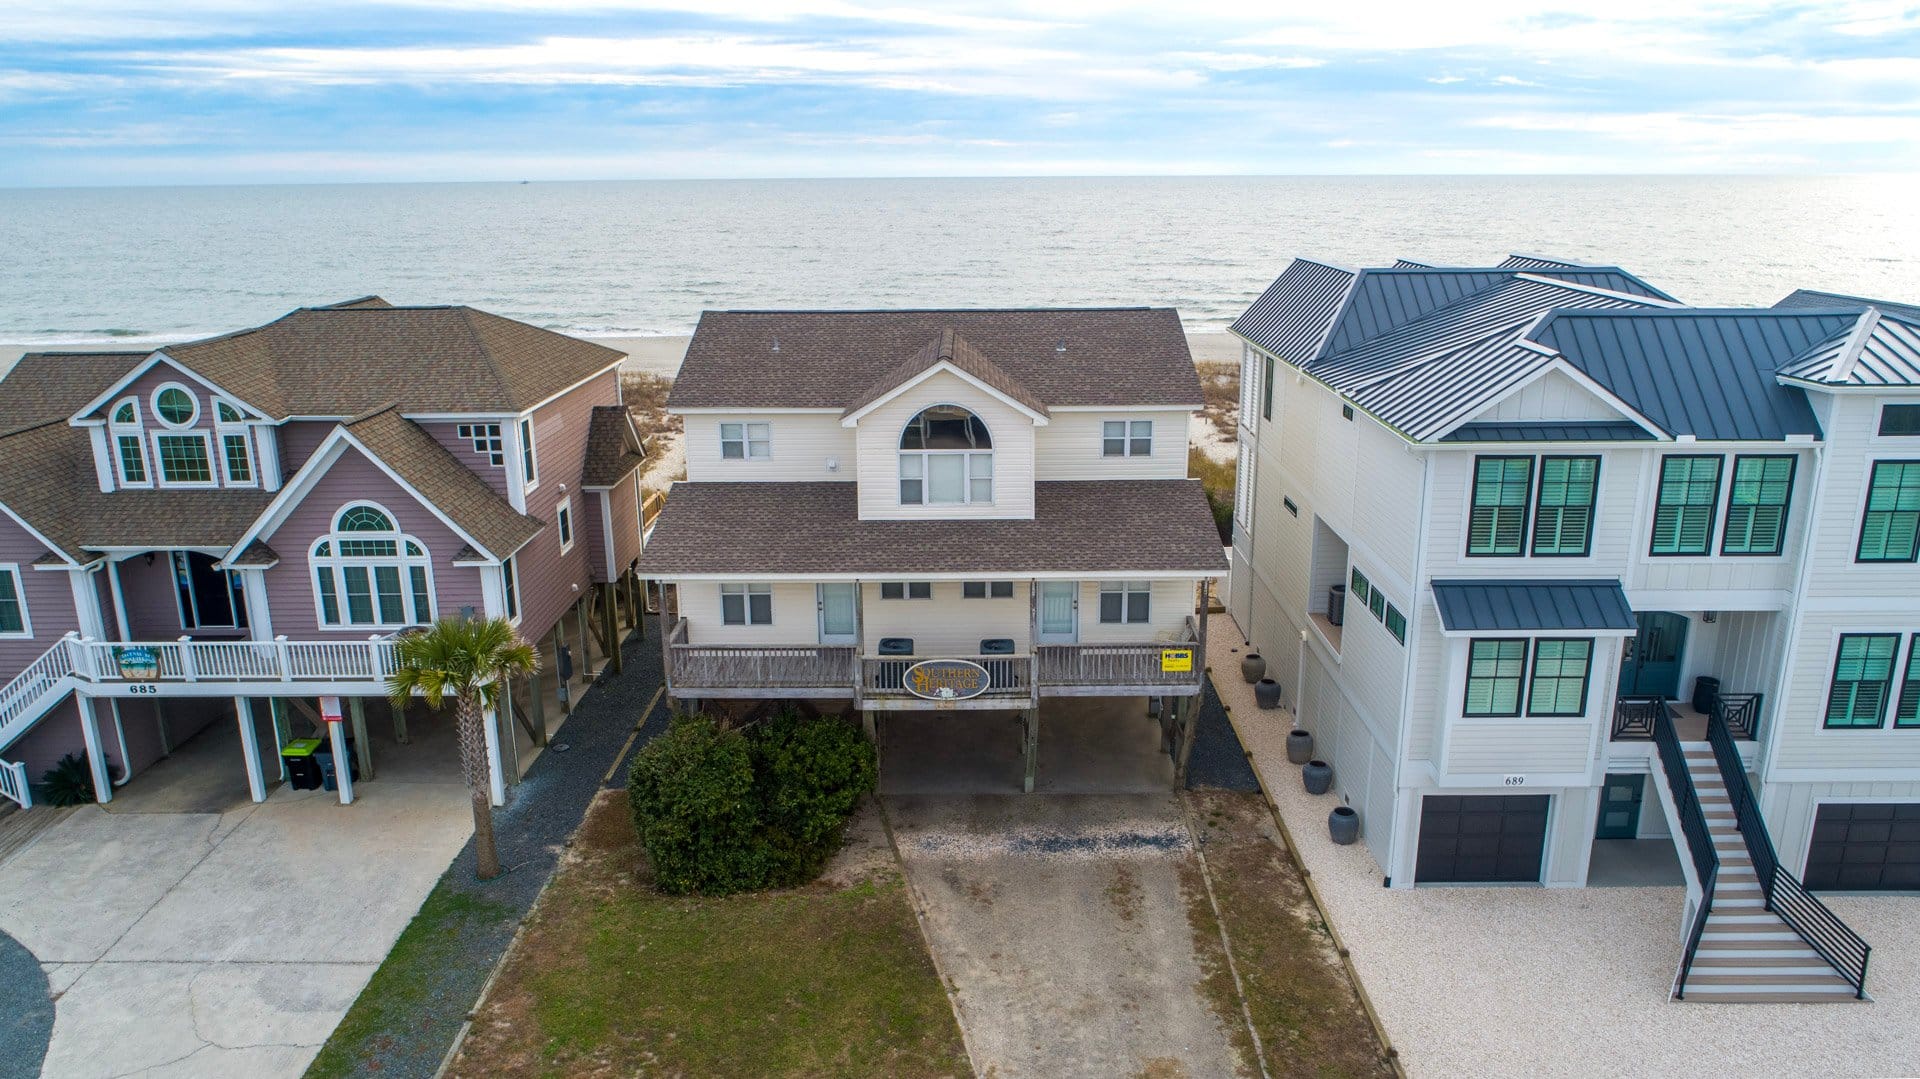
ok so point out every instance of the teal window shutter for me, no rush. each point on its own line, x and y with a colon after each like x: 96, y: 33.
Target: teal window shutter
x: 1559, y: 684
x: 1497, y: 524
x: 1892, y: 522
x: 1563, y: 522
x: 1683, y: 509
x: 1495, y: 669
x: 1862, y: 677
x: 1757, y: 505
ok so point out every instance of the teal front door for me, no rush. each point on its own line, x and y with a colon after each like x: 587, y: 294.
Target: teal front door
x: 1651, y: 667
x: 1620, y: 807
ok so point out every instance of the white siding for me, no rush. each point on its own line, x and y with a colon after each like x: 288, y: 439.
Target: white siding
x: 1519, y: 746
x: 1170, y: 605
x: 796, y: 618
x: 945, y: 625
x: 879, y: 449
x: 803, y: 443
x: 1069, y: 447
x: 1790, y: 809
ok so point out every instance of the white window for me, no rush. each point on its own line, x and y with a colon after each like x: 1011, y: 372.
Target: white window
x: 184, y: 458
x: 175, y: 405
x: 1126, y: 438
x: 529, y: 471
x: 1125, y: 601
x: 739, y: 441
x: 563, y: 520
x: 13, y: 603
x: 511, y: 587
x: 366, y: 573
x: 746, y: 604
x: 946, y: 459
x: 906, y: 590
x: 486, y: 441
x: 236, y: 444
x: 985, y: 589
x: 129, y: 444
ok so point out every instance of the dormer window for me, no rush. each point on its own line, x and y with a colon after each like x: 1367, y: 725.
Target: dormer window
x: 946, y: 459
x: 129, y: 444
x: 175, y: 406
x: 236, y: 447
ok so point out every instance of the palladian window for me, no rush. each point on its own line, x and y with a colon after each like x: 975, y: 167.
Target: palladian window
x: 366, y: 573
x: 946, y: 459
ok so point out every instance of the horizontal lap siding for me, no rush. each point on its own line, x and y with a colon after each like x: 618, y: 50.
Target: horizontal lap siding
x: 55, y: 736
x: 49, y: 599
x: 590, y: 532
x: 801, y: 444
x: 153, y: 609
x: 298, y: 440
x: 879, y: 453
x: 795, y: 616
x: 1533, y: 745
x: 480, y: 464
x: 551, y: 582
x: 946, y: 625
x: 353, y: 478
x: 1070, y: 447
x: 1168, y: 609
x: 624, y: 501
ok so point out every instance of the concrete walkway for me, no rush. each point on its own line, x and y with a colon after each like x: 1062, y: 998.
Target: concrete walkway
x: 1061, y: 924
x: 226, y: 942
x: 1570, y: 981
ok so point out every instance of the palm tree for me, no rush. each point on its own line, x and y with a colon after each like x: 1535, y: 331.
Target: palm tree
x: 467, y: 659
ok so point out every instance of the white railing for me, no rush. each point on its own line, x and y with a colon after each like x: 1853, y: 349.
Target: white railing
x: 19, y: 696
x: 278, y: 660
x: 14, y: 785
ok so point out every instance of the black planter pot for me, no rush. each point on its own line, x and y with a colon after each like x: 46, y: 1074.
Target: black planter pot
x: 1253, y: 667
x: 1343, y: 825
x: 1299, y: 747
x: 1266, y: 693
x: 1317, y: 776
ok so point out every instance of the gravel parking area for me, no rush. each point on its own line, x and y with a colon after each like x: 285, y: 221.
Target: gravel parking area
x: 1540, y: 982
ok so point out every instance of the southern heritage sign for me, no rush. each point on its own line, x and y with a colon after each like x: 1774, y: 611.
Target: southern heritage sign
x: 947, y: 679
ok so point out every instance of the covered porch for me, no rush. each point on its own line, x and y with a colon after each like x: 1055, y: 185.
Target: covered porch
x: 1698, y: 667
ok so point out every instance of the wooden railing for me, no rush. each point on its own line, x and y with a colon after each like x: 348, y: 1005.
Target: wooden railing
x: 650, y: 508
x: 730, y: 666
x: 1007, y: 676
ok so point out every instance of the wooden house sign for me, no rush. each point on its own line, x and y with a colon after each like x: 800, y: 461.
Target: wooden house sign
x: 947, y: 679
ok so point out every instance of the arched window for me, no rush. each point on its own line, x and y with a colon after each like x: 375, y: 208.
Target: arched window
x: 129, y: 443
x: 946, y: 459
x: 367, y: 573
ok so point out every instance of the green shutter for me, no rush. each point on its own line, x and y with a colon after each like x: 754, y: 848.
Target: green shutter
x: 1498, y: 522
x: 1559, y: 684
x: 1757, y: 505
x: 1892, y: 521
x: 1862, y: 675
x: 1563, y: 522
x: 1683, y: 510
x: 1907, y: 712
x: 1396, y: 623
x: 1495, y: 669
x: 12, y: 619
x: 1358, y: 589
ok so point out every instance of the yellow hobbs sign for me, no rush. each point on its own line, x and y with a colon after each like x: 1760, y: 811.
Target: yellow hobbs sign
x: 1176, y: 660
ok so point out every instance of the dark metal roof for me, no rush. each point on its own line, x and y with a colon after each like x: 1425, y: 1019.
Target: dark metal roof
x: 1561, y: 431
x: 1700, y: 372
x: 1881, y: 349
x: 1497, y: 606
x: 1815, y: 300
x: 1536, y: 262
x: 1290, y: 318
x: 1382, y: 301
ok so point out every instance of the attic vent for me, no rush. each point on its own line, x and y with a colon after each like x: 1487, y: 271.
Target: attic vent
x: 776, y: 342
x: 1060, y: 346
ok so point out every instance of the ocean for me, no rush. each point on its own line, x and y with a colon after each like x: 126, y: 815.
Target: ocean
x: 141, y: 265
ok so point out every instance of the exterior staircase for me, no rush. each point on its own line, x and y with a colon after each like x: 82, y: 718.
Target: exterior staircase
x: 1747, y: 953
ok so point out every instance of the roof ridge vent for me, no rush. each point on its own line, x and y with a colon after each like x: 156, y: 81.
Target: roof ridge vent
x: 1856, y: 344
x: 1060, y: 347
x: 776, y: 342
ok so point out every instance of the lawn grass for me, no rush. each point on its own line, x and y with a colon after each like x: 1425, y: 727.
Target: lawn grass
x: 612, y: 978
x: 407, y: 979
x: 1306, y: 1010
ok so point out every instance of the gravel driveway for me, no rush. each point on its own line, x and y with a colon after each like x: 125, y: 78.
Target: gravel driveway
x: 1060, y: 923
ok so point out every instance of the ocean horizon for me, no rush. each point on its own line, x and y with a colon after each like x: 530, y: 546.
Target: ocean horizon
x: 136, y: 266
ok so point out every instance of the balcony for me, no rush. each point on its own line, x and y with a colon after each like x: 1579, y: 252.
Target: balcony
x: 1013, y: 681
x: 1633, y: 717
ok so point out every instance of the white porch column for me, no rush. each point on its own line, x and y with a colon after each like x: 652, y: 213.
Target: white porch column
x: 119, y: 600
x: 342, y: 762
x: 86, y: 604
x: 96, y: 758
x: 253, y: 588
x: 496, y: 774
x: 250, y: 748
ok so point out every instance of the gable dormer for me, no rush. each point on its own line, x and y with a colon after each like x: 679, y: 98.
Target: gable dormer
x: 162, y: 426
x: 947, y: 434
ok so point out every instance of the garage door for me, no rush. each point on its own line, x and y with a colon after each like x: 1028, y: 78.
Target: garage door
x: 1866, y: 847
x: 1481, y: 839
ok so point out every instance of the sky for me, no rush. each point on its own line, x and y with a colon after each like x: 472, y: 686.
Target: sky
x: 224, y: 91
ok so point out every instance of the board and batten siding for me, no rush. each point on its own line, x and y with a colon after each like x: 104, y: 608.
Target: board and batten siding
x: 353, y: 478
x: 878, y: 468
x: 550, y: 582
x: 1070, y: 447
x: 800, y: 446
x: 1552, y: 396
x: 1363, y: 768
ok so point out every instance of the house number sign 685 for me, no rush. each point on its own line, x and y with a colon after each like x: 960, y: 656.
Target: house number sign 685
x: 1514, y: 781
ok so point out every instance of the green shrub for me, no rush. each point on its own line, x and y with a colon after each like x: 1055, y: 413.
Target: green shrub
x: 722, y: 811
x: 811, y: 774
x: 68, y: 783
x: 692, y: 795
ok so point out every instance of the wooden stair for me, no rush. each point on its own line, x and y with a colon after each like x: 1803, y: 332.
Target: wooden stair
x: 1747, y: 954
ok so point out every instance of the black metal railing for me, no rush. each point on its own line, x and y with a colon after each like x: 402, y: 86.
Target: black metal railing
x: 1785, y: 896
x: 1740, y: 712
x: 1633, y: 718
x: 1693, y: 826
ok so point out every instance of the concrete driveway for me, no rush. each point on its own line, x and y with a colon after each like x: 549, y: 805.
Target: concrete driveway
x: 1060, y: 923
x: 226, y: 942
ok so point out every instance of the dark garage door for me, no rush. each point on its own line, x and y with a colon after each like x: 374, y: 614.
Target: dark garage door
x: 1873, y: 846
x: 1481, y: 838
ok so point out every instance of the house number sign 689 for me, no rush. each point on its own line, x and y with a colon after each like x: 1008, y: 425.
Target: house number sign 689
x: 1514, y: 781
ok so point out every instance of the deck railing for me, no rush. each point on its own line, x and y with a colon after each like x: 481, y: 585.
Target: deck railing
x: 1007, y: 676
x: 1693, y: 827
x: 278, y: 660
x: 723, y: 666
x: 1740, y: 713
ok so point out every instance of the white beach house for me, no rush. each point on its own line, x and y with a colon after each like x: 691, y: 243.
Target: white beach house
x: 1566, y: 569
x: 967, y: 509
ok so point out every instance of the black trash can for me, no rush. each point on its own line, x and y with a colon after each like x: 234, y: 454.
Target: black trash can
x: 1706, y: 693
x: 329, y: 777
x: 303, y: 770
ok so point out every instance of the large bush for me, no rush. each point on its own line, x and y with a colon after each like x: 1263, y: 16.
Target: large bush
x: 724, y: 811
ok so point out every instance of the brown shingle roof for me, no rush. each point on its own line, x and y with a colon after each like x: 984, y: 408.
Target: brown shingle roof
x: 427, y: 467
x: 46, y: 386
x: 832, y: 359
x: 352, y: 358
x: 776, y: 529
x: 613, y: 448
x: 951, y: 348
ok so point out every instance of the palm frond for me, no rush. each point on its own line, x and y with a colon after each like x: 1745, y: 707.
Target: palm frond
x: 458, y: 657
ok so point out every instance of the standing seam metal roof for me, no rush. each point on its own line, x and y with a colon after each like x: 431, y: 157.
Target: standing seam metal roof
x: 1289, y: 319
x: 1553, y: 606
x: 1881, y: 349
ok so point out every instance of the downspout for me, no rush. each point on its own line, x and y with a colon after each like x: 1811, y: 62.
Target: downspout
x: 120, y: 733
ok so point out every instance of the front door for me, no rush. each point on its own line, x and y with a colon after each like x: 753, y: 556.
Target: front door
x: 839, y: 617
x: 1620, y: 807
x: 1651, y: 666
x: 1059, y: 612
